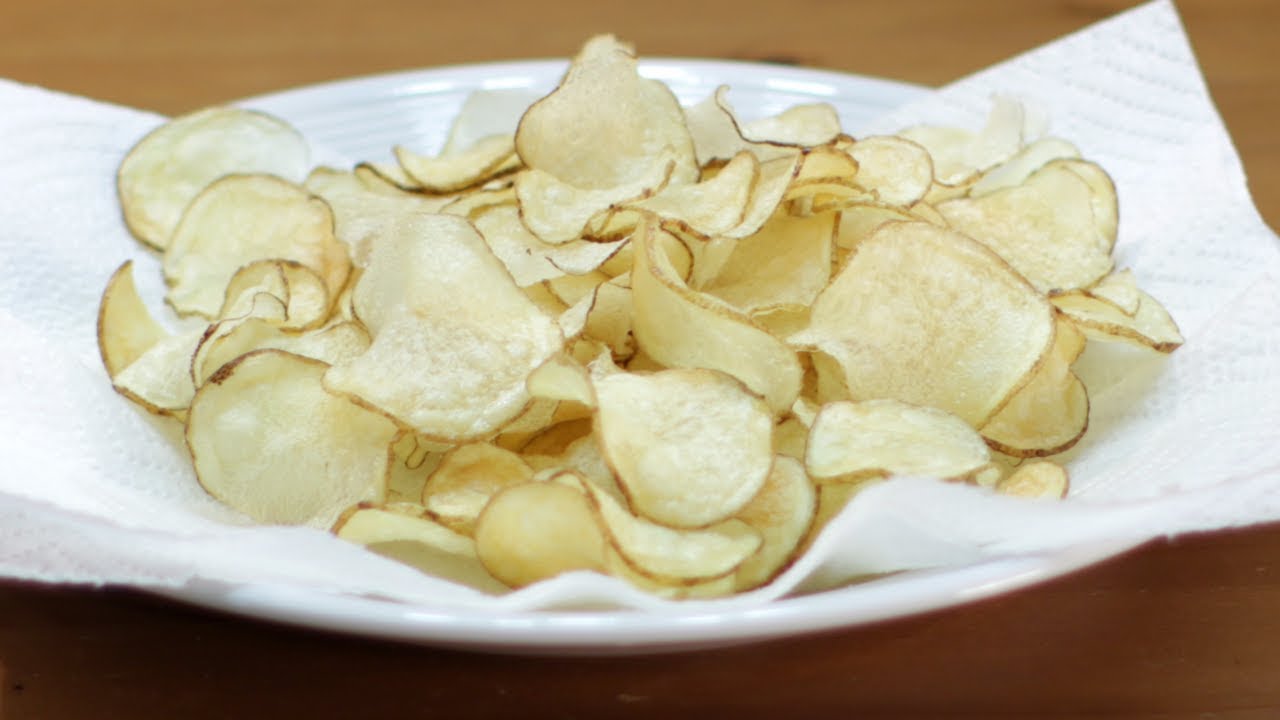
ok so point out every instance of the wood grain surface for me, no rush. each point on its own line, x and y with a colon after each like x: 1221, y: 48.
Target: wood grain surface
x: 1181, y: 629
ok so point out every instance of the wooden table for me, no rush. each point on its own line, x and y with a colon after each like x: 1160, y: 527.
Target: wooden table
x: 1184, y: 629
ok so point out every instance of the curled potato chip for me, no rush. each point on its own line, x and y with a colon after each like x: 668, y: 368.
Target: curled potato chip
x: 1026, y: 161
x: 557, y: 212
x: 305, y: 299
x: 783, y: 265
x: 169, y: 167
x: 466, y: 478
x: 666, y: 554
x: 462, y: 168
x: 781, y: 512
x: 1150, y: 325
x: 680, y: 327
x: 879, y: 438
x: 528, y: 258
x: 1120, y: 288
x: 636, y: 136
x: 690, y: 447
x: 537, y: 530
x: 453, y: 337
x: 897, y: 170
x: 927, y: 316
x: 410, y: 460
x: 417, y: 541
x: 145, y: 361
x: 268, y: 440
x: 1050, y: 413
x: 240, y: 219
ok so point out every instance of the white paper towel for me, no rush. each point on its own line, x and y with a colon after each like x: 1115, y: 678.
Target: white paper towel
x: 93, y: 491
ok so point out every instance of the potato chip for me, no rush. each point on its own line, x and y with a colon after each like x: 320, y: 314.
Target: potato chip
x: 1040, y: 479
x: 707, y: 208
x: 557, y: 212
x: 667, y: 554
x: 450, y: 327
x: 1017, y: 169
x: 449, y: 172
x: 897, y: 170
x: 529, y: 259
x: 1050, y: 413
x: 880, y: 438
x: 240, y: 219
x: 1045, y: 228
x: 169, y: 167
x: 464, y: 481
x: 635, y: 138
x: 781, y: 512
x: 927, y: 316
x: 537, y: 530
x: 419, y: 542
x: 409, y: 461
x: 690, y: 447
x: 268, y: 440
x: 146, y: 363
x: 680, y: 327
x: 783, y: 265
x: 1150, y: 325
x: 1120, y: 288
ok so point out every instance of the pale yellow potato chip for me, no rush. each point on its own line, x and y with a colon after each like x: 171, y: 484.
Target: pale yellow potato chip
x: 927, y: 316
x: 562, y: 378
x: 1150, y: 326
x: 1120, y: 288
x: 529, y: 259
x: 897, y: 170
x: 241, y: 219
x: 1050, y: 413
x: 1105, y: 203
x: 464, y: 481
x: 781, y: 512
x: 417, y: 541
x: 449, y: 172
x: 1026, y: 161
x: 783, y: 265
x: 634, y: 137
x: 689, y: 447
x: 538, y: 530
x: 453, y: 337
x: 1045, y: 228
x: 173, y: 164
x: 410, y: 460
x: 557, y: 212
x: 609, y: 320
x: 269, y: 441
x: 665, y: 554
x: 146, y: 363
x: 680, y: 327
x: 880, y: 438
x: 1040, y: 479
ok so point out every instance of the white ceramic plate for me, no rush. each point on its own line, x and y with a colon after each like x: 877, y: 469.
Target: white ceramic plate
x: 361, y: 119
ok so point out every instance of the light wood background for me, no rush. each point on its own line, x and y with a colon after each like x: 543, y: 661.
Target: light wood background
x: 1184, y: 629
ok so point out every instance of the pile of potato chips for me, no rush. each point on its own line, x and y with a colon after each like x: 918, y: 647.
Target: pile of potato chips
x: 631, y: 337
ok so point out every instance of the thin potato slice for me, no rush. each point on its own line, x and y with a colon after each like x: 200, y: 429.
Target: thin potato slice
x: 1050, y: 413
x: 537, y: 530
x: 165, y: 171
x: 712, y: 206
x: 229, y: 339
x: 897, y: 170
x: 1120, y: 288
x: 465, y: 480
x: 462, y: 169
x: 781, y: 512
x: 528, y: 258
x: 665, y: 554
x: 881, y: 438
x: 562, y: 378
x: 557, y: 212
x: 1150, y: 326
x: 1045, y: 228
x: 927, y: 316
x: 783, y: 265
x: 419, y: 542
x: 637, y: 135
x: 1041, y: 479
x: 680, y: 327
x: 690, y: 447
x: 144, y: 361
x: 410, y: 460
x: 268, y: 440
x: 240, y: 219
x: 453, y: 337
x: 1017, y: 169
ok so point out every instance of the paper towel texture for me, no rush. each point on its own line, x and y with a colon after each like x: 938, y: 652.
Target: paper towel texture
x: 94, y: 491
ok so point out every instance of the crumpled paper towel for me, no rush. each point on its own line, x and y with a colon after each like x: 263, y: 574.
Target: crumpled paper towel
x: 94, y: 491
